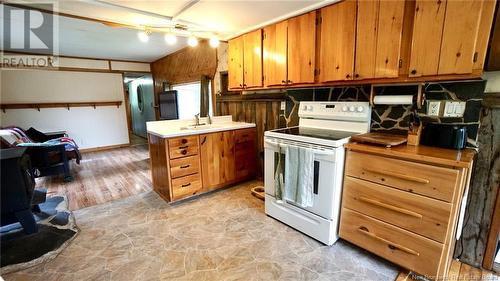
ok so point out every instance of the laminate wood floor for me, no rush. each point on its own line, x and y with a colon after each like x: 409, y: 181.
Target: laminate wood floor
x: 459, y: 272
x: 104, y: 176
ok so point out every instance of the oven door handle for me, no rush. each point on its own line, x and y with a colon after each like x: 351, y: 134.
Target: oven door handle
x: 316, y: 151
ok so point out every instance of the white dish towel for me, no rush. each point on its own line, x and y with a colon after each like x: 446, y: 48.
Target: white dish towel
x: 299, y: 175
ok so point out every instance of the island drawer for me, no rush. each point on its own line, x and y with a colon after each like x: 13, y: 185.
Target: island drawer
x: 186, y: 186
x: 422, y: 215
x: 432, y: 181
x: 184, y: 166
x: 183, y: 146
x: 402, y: 247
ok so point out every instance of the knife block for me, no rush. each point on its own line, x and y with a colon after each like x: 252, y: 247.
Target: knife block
x: 414, y: 134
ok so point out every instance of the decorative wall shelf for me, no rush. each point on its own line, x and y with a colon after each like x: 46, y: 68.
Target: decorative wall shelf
x: 66, y: 105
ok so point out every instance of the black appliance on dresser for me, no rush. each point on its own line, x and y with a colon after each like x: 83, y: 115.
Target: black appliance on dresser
x: 167, y: 101
x: 18, y: 194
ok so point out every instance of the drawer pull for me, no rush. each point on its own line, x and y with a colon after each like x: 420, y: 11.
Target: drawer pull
x: 185, y: 166
x: 390, y: 207
x: 184, y: 141
x: 186, y: 185
x: 365, y: 231
x: 184, y: 152
x: 396, y: 175
x: 183, y: 147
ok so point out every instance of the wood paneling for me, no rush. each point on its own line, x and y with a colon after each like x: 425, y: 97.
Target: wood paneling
x: 302, y: 48
x: 390, y: 28
x: 252, y: 58
x: 460, y: 29
x: 235, y: 63
x: 275, y: 52
x: 427, y: 34
x: 338, y: 31
x: 366, y: 39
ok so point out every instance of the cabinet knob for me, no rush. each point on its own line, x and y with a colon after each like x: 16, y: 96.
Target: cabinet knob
x: 356, y: 75
x: 184, y: 152
x: 184, y: 141
x: 289, y: 81
x: 348, y: 76
x: 241, y: 85
x: 458, y: 54
x: 283, y: 81
x: 414, y: 71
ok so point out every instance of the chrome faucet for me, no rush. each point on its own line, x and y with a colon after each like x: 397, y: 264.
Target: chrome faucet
x: 197, y: 119
x: 209, y: 119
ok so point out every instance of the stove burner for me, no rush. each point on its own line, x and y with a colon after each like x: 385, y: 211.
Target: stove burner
x: 315, y: 133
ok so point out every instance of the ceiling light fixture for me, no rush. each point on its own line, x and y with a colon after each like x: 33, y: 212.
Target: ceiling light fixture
x: 170, y: 38
x: 214, y: 42
x: 192, y: 41
x: 144, y: 35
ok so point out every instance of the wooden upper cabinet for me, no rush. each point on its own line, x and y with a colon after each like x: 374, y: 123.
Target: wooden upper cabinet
x: 459, y: 36
x: 426, y: 39
x: 301, y: 52
x: 338, y: 28
x: 235, y: 63
x: 275, y: 61
x: 483, y: 35
x: 390, y: 29
x: 252, y: 58
x: 366, y: 39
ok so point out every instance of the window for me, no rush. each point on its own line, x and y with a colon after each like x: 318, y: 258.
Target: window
x: 188, y: 99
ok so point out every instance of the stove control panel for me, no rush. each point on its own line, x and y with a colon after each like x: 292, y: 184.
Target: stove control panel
x: 345, y: 110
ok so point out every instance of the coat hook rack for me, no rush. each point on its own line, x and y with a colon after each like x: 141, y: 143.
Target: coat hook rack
x: 67, y: 105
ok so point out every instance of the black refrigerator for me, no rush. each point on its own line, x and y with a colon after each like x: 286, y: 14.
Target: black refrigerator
x: 169, y: 109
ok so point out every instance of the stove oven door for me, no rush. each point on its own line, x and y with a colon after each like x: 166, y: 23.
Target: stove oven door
x: 327, y: 180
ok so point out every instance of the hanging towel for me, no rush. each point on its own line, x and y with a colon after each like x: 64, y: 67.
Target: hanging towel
x: 299, y: 175
x: 278, y: 177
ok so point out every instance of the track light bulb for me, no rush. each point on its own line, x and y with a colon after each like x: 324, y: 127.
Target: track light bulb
x: 143, y: 36
x: 192, y: 41
x: 214, y: 42
x: 170, y: 38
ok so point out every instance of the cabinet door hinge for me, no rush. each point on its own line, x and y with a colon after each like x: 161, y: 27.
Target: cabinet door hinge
x: 400, y: 63
x: 476, y: 54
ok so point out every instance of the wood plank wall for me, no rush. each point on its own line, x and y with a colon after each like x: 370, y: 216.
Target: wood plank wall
x: 186, y: 65
x: 264, y: 112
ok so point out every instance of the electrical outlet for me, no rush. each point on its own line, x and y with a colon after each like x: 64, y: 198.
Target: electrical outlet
x: 433, y: 107
x: 454, y: 109
x: 283, y: 105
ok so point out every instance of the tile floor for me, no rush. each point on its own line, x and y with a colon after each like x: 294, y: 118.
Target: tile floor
x: 224, y: 235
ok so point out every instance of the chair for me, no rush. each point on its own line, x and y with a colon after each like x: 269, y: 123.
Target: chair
x: 49, y: 154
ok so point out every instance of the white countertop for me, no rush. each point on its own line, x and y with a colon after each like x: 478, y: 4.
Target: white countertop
x: 178, y: 128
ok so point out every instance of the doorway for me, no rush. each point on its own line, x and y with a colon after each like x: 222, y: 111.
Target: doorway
x: 141, y: 100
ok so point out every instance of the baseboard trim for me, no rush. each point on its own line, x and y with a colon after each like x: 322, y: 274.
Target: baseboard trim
x: 101, y: 148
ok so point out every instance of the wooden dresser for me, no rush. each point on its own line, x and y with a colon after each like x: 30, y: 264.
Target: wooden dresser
x: 403, y: 203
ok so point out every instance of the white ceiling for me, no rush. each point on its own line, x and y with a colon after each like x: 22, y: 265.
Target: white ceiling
x: 224, y: 18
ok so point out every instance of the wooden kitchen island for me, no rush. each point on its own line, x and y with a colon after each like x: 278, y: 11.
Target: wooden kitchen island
x: 188, y: 161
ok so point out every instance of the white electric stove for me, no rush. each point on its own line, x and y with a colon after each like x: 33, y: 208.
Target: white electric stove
x: 323, y: 127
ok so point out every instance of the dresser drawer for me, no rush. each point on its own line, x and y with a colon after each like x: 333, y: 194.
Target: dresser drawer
x: 422, y: 215
x: 402, y: 247
x: 244, y: 135
x: 186, y: 186
x: 184, y: 166
x: 183, y: 146
x: 435, y: 182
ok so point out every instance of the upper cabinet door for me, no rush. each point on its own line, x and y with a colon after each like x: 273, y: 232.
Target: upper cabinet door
x: 459, y: 37
x: 235, y: 63
x: 301, y: 48
x: 483, y: 35
x: 366, y: 39
x: 252, y: 57
x: 390, y: 30
x: 427, y: 34
x: 338, y: 28
x: 275, y: 62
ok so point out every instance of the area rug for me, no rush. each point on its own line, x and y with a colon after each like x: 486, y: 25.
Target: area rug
x: 56, y: 228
